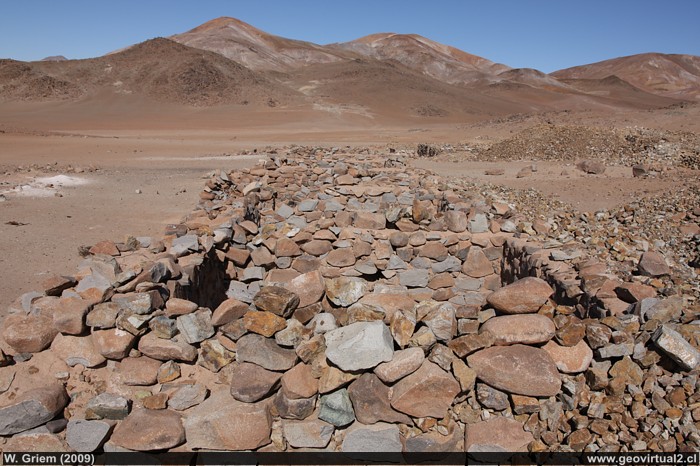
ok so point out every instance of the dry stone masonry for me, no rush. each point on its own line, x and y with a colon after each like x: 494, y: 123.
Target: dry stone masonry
x: 346, y: 303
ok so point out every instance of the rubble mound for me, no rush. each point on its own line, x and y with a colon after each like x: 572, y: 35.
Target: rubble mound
x: 340, y: 303
x: 628, y: 146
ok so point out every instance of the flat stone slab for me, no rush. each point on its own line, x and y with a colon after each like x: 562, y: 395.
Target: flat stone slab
x: 519, y: 369
x: 379, y: 437
x: 265, y: 353
x: 309, y: 433
x: 428, y: 392
x: 210, y: 425
x: 496, y: 435
x: 525, y: 296
x: 361, y: 345
x: 525, y: 328
x: 87, y: 436
x: 147, y: 430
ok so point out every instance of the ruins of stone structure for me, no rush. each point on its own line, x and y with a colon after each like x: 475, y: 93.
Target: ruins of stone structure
x: 371, y: 308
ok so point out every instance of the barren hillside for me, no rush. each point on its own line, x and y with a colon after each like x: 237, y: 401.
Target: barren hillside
x: 676, y: 76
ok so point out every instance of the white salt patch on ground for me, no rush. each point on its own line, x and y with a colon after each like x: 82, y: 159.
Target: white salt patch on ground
x: 47, y: 186
x: 61, y: 180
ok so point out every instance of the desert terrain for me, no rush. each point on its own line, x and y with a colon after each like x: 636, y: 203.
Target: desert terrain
x: 120, y: 147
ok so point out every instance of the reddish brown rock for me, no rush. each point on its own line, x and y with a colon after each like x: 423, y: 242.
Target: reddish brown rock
x: 251, y: 383
x: 498, y: 434
x: 139, y: 371
x: 341, y: 257
x: 526, y: 295
x: 467, y: 344
x: 477, y: 265
x: 434, y: 250
x: 429, y: 391
x: 77, y: 350
x: 368, y: 220
x: 309, y: 287
x: 277, y: 300
x: 286, y: 247
x: 113, y: 343
x: 298, y: 382
x: 147, y: 430
x: 317, y: 247
x: 403, y: 363
x: 69, y: 315
x: 164, y: 350
x: 634, y: 292
x: 370, y: 401
x: 56, y: 284
x: 519, y: 369
x: 570, y: 359
x: 653, y: 264
x: 29, y: 334
x: 178, y: 307
x: 105, y: 247
x: 263, y: 323
x: 526, y: 328
x: 228, y: 311
x: 456, y: 221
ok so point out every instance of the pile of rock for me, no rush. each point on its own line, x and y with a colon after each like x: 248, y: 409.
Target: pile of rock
x: 368, y: 309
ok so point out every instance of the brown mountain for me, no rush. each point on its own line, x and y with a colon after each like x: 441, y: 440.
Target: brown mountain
x: 159, y: 69
x: 226, y: 61
x: 254, y: 48
x: 437, y: 60
x: 676, y: 76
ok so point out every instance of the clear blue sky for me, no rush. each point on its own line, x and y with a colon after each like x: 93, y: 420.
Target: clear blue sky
x: 543, y: 34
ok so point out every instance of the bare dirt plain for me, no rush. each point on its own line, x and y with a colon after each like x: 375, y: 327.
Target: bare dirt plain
x: 142, y: 167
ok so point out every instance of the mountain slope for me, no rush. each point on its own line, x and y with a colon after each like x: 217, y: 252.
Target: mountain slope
x: 676, y: 76
x: 160, y: 69
x: 437, y: 60
x: 254, y: 48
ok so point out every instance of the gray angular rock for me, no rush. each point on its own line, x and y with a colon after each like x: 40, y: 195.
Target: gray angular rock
x: 414, y: 278
x: 187, y: 396
x: 336, y: 408
x: 379, y: 437
x: 309, y: 433
x: 107, y: 406
x: 677, y: 348
x: 87, y: 436
x: 361, y: 345
x: 196, y: 327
